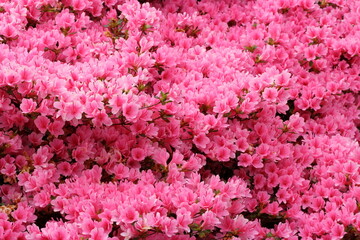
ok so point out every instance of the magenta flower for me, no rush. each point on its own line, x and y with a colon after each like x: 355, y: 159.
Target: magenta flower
x: 72, y: 111
x: 201, y: 140
x: 138, y: 154
x: 179, y: 119
x: 130, y: 111
x: 56, y: 128
x: 27, y: 105
x: 42, y: 123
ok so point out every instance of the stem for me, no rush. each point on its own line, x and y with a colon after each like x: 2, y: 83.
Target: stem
x: 151, y: 105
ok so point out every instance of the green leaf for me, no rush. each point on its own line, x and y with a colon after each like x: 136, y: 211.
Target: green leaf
x: 146, y: 27
x: 163, y: 98
x: 194, y: 227
x: 251, y: 48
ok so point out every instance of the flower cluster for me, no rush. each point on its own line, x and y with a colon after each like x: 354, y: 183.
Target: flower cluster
x: 179, y: 119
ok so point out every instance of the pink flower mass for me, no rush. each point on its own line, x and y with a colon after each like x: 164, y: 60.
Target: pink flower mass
x: 179, y: 119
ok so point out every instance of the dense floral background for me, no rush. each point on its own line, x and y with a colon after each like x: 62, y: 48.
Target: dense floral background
x: 179, y: 119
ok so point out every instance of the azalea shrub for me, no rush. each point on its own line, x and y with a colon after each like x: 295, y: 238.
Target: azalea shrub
x: 179, y: 119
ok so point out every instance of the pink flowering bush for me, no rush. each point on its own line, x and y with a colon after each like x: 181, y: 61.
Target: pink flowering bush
x: 179, y: 119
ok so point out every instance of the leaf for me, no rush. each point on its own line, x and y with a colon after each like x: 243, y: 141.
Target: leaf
x: 251, y: 48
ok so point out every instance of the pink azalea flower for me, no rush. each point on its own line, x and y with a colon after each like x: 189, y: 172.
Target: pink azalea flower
x: 56, y: 128
x: 272, y: 209
x: 161, y: 156
x: 245, y: 160
x: 98, y: 234
x: 8, y: 170
x: 337, y: 231
x: 270, y: 94
x: 222, y: 154
x: 129, y: 215
x: 42, y: 123
x: 201, y: 140
x: 102, y: 118
x: 72, y: 110
x: 130, y: 111
x: 65, y: 19
x: 138, y: 154
x: 9, y: 31
x: 27, y: 105
x: 285, y: 181
x: 183, y: 219
x: 59, y: 233
x: 78, y: 5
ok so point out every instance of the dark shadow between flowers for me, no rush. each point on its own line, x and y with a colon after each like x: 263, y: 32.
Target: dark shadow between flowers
x: 45, y: 215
